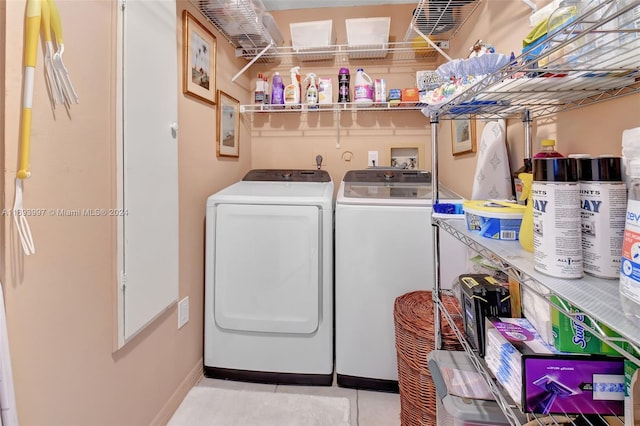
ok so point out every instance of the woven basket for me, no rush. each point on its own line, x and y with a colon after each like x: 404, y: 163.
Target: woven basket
x: 415, y: 338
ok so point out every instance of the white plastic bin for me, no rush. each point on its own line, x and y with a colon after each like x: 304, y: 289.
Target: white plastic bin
x: 314, y: 39
x: 368, y: 37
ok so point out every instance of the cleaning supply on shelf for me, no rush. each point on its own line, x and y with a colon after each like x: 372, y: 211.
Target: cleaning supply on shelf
x: 363, y: 88
x: 325, y: 90
x: 277, y: 89
x: 292, y: 90
x: 557, y: 241
x: 343, y: 85
x: 603, y: 198
x: 526, y: 227
x: 311, y: 94
x: 560, y: 28
x: 630, y: 268
x: 498, y: 220
x: 548, y: 150
x: 258, y: 93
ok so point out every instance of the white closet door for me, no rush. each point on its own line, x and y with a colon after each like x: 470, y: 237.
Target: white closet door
x: 149, y: 162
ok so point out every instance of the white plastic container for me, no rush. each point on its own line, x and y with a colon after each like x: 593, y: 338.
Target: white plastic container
x: 368, y: 37
x: 630, y: 270
x: 363, y: 88
x: 314, y: 40
x: 498, y: 220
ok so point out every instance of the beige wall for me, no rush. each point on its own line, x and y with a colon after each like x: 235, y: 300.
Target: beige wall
x: 61, y: 302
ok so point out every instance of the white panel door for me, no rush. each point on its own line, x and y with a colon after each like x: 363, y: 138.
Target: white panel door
x: 267, y: 268
x: 149, y: 161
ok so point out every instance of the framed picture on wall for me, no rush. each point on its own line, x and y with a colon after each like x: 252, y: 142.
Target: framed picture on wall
x: 199, y: 60
x: 463, y: 136
x: 228, y: 125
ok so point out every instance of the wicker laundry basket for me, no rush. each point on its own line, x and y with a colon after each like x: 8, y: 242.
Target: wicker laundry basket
x: 415, y: 338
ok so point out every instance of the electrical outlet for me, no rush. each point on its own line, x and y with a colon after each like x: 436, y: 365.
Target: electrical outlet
x: 373, y: 159
x: 183, y: 312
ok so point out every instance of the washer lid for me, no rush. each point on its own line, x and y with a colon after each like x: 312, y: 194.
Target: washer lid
x: 269, y: 192
x: 287, y: 175
x: 388, y: 175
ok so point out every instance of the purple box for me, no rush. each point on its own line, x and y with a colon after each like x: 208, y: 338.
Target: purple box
x: 545, y: 381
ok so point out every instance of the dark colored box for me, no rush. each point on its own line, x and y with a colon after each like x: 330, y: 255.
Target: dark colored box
x: 481, y: 296
x: 543, y: 380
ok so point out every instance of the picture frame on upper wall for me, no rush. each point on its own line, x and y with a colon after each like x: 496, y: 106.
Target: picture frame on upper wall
x: 463, y: 136
x: 199, y: 60
x: 228, y: 126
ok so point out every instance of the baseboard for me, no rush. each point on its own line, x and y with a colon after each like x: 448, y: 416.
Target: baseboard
x: 194, y: 376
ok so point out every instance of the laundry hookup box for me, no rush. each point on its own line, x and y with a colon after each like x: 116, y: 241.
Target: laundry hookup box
x: 543, y: 380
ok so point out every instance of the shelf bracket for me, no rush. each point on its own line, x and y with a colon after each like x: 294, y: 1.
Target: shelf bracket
x: 430, y: 43
x: 531, y: 4
x: 337, y: 120
x: 252, y: 61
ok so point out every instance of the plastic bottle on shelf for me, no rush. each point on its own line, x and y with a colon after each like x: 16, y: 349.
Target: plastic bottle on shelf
x: 548, y: 150
x: 518, y: 187
x: 564, y: 16
x: 311, y: 96
x: 630, y: 268
x: 363, y: 88
x: 292, y: 90
x: 343, y: 85
x: 277, y: 89
x: 258, y: 94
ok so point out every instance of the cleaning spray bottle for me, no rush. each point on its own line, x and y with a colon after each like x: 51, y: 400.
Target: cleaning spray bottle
x: 292, y: 90
x: 311, y: 98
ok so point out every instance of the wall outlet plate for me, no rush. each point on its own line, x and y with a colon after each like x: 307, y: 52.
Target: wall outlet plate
x: 372, y: 160
x: 183, y: 312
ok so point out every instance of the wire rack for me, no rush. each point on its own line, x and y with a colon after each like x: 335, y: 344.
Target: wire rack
x: 241, y: 24
x: 595, y: 58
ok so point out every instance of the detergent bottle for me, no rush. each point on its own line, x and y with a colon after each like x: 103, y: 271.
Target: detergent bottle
x: 526, y: 226
x: 292, y: 90
x: 277, y: 90
x: 363, y: 89
x: 311, y: 98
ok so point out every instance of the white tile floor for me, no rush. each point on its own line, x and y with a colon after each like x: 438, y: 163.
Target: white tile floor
x: 367, y: 408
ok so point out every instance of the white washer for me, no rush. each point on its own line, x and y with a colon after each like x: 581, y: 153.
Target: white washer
x: 384, y: 249
x: 269, y: 279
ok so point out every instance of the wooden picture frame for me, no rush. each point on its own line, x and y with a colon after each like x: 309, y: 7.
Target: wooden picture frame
x: 199, y: 60
x: 228, y: 126
x: 463, y: 136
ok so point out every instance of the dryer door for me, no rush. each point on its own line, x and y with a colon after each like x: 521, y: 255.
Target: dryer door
x: 267, y: 268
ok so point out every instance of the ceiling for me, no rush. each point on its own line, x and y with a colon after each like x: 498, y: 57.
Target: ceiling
x: 303, y: 4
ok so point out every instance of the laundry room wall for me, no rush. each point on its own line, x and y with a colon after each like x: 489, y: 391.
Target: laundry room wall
x: 61, y: 304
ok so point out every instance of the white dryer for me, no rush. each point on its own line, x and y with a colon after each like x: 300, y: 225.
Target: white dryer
x: 384, y: 249
x: 269, y: 279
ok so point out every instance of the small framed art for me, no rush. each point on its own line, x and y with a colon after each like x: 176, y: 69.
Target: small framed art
x: 463, y: 136
x: 228, y: 125
x: 199, y: 60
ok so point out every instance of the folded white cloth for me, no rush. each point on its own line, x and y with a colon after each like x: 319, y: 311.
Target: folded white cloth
x: 493, y: 177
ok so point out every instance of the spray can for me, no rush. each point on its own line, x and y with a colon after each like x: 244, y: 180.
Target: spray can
x: 343, y: 85
x: 603, y: 201
x: 630, y: 268
x: 557, y: 236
